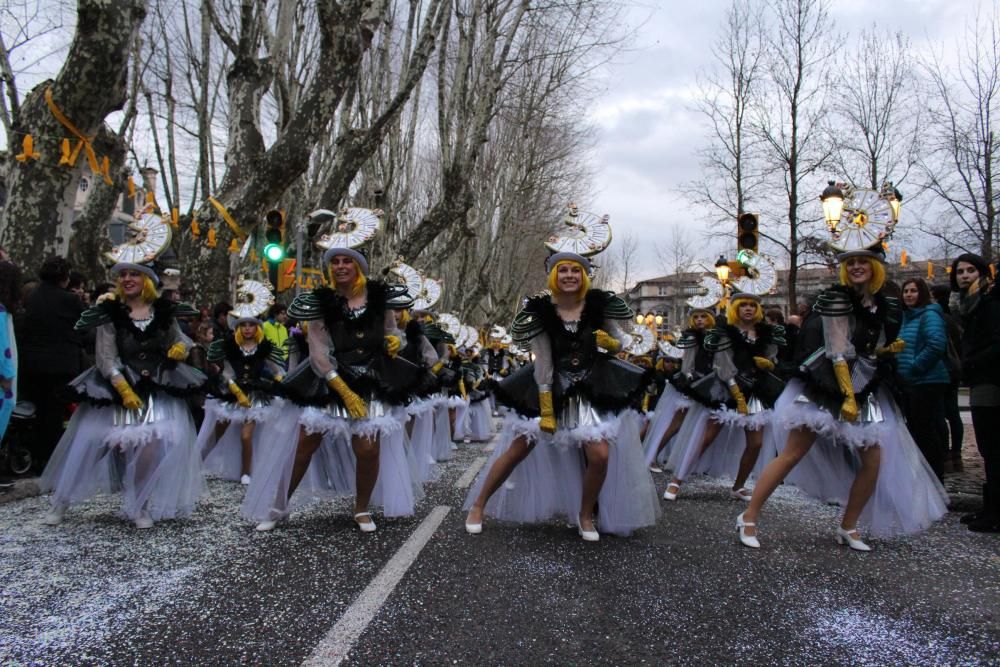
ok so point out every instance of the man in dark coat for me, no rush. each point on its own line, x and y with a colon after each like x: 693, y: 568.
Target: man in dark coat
x: 51, y: 353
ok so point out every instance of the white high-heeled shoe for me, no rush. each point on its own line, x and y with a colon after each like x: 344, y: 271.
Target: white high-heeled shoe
x: 473, y: 528
x: 369, y: 526
x: 143, y: 521
x: 671, y: 495
x: 655, y: 468
x: 54, y: 516
x: 270, y: 524
x: 588, y: 535
x: 847, y: 537
x: 747, y: 540
x: 740, y: 494
x: 245, y: 480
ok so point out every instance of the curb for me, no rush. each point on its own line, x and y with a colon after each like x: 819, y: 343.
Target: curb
x: 23, y: 488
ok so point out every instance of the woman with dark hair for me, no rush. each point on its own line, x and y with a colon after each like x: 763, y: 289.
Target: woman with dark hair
x: 953, y: 425
x: 922, y: 370
x: 839, y: 432
x: 979, y: 309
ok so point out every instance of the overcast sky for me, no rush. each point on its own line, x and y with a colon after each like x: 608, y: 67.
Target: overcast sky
x: 649, y: 131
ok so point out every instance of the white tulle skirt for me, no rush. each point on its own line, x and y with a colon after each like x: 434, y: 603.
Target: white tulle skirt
x: 908, y: 496
x: 667, y: 405
x: 548, y: 483
x: 722, y: 458
x: 224, y: 459
x: 441, y: 448
x: 154, y: 463
x: 332, y: 471
x: 420, y: 442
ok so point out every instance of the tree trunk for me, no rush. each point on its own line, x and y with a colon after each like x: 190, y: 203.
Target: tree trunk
x: 38, y: 218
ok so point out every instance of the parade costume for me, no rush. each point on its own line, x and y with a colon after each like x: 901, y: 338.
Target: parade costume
x: 246, y: 391
x: 673, y: 402
x: 474, y: 419
x: 840, y: 407
x: 570, y: 404
x: 347, y: 399
x: 744, y: 388
x: 133, y: 430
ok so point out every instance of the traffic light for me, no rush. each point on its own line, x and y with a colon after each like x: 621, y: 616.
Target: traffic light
x: 747, y: 232
x: 274, y: 236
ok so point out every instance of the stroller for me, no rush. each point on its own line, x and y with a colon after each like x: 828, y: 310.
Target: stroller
x: 15, y: 454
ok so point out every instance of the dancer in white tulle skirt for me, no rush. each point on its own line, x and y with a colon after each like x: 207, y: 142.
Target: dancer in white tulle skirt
x: 675, y: 399
x: 840, y: 434
x: 133, y: 431
x: 474, y: 417
x: 245, y: 396
x: 346, y: 399
x: 584, y: 445
x: 726, y: 441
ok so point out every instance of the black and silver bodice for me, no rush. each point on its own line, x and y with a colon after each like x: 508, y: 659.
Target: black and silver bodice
x: 567, y: 359
x: 351, y: 342
x: 843, y: 326
x: 136, y: 349
x: 253, y: 369
x: 733, y: 360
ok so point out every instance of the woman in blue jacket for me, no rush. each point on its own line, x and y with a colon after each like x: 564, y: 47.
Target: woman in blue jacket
x: 922, y: 369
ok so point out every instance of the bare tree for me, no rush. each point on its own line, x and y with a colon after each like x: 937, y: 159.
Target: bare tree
x: 677, y: 257
x: 961, y: 168
x: 790, y: 121
x: 731, y: 162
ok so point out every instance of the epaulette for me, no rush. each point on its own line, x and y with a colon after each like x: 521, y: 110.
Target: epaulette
x: 687, y: 340
x: 778, y: 335
x: 718, y: 340
x: 397, y: 297
x: 96, y: 315
x: 527, y: 323
x: 216, y: 351
x: 308, y: 305
x: 182, y: 309
x: 615, y: 308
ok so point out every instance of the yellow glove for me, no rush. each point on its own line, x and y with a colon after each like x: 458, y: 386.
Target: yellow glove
x: 130, y: 399
x: 503, y: 372
x: 849, y: 409
x: 763, y: 363
x: 279, y: 378
x: 605, y: 341
x: 548, y: 420
x: 895, y: 347
x: 436, y: 368
x: 741, y: 401
x: 452, y: 351
x: 461, y: 389
x: 645, y: 403
x: 354, y: 403
x: 661, y: 365
x: 392, y: 345
x: 178, y: 352
x: 241, y: 398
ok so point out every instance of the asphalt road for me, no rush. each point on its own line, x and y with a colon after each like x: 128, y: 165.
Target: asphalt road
x: 212, y: 591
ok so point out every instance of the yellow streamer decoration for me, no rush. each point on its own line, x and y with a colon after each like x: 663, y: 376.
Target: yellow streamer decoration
x: 131, y: 187
x: 28, y: 151
x: 234, y: 246
x: 69, y: 157
x: 240, y: 234
x: 210, y: 242
x: 195, y: 229
x: 174, y: 217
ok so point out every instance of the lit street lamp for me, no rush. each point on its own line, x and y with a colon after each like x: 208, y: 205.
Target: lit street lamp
x: 722, y: 269
x: 833, y: 204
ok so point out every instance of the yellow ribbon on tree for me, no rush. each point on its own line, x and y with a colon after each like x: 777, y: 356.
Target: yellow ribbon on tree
x: 240, y: 234
x: 234, y: 246
x: 69, y: 157
x: 210, y: 241
x: 195, y: 229
x: 28, y: 151
x: 174, y: 217
x: 131, y: 188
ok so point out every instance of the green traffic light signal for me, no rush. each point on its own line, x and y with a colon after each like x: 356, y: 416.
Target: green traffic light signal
x: 274, y: 252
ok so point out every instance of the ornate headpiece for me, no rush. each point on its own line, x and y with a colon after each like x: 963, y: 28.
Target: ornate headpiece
x: 425, y: 291
x: 148, y: 237
x: 582, y: 235
x: 253, y: 298
x: 866, y: 220
x: 643, y: 341
x: 352, y: 228
x: 761, y: 277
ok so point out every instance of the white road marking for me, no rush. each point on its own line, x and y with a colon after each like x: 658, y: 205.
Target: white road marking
x: 465, y: 481
x: 333, y: 648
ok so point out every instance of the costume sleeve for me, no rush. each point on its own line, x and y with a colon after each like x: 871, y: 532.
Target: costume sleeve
x: 688, y: 360
x: 392, y: 329
x: 724, y: 366
x: 175, y: 335
x: 227, y: 371
x: 542, y: 349
x: 835, y: 307
x: 427, y: 352
x: 274, y: 367
x: 106, y: 352
x: 321, y: 357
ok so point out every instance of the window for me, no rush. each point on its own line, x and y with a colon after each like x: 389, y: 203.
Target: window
x: 662, y: 290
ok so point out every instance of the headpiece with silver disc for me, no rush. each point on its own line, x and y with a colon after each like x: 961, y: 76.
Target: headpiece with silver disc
x: 148, y: 237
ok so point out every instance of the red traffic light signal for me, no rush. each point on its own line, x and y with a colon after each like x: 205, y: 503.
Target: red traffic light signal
x: 747, y: 232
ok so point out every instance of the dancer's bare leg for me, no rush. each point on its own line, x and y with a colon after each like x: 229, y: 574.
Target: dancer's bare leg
x: 498, y: 474
x: 593, y: 480
x: 712, y: 430
x: 675, y: 425
x: 863, y: 486
x: 755, y: 439
x: 366, y: 451
x: 799, y: 442
x: 246, y: 440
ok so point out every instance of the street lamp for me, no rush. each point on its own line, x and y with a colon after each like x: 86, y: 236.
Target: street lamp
x: 659, y: 320
x: 833, y: 204
x: 639, y: 319
x: 722, y: 269
x: 649, y: 319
